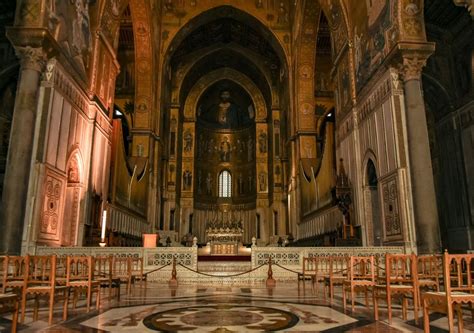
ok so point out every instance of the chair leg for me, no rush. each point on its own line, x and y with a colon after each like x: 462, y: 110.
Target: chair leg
x: 426, y: 317
x: 36, y: 309
x: 404, y: 307
x: 450, y: 317
x: 331, y: 291
x: 15, y: 317
x: 460, y: 320
x: 352, y: 298
x: 376, y: 305
x: 51, y: 307
x: 389, y: 308
x: 66, y: 303
x: 416, y: 304
x: 89, y: 298
x: 97, y: 301
x: 344, y: 298
x: 366, y: 297
x: 23, y: 307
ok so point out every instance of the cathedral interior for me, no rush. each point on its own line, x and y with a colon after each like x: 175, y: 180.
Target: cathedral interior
x: 330, y: 125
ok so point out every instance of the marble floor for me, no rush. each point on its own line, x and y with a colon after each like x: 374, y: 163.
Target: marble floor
x: 199, y: 308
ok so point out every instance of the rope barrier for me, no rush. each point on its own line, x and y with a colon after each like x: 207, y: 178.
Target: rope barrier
x: 289, y: 270
x: 157, y: 269
x: 222, y: 276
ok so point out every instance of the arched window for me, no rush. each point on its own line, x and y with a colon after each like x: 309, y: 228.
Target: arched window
x: 225, y: 184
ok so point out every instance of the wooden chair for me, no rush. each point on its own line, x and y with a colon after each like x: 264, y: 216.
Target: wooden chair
x: 310, y: 265
x: 337, y: 274
x: 103, y: 273
x: 458, y: 271
x: 79, y: 277
x: 136, y: 271
x: 401, y: 280
x: 13, y: 276
x: 360, y: 276
x: 9, y: 304
x: 430, y: 267
x: 41, y: 281
x: 121, y: 272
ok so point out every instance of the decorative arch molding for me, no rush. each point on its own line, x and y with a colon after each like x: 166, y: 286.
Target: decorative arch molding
x: 182, y: 75
x: 219, y: 10
x: 74, y: 194
x: 369, y: 155
x: 75, y: 168
x: 225, y: 73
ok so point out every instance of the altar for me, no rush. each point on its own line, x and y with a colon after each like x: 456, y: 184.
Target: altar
x: 224, y: 238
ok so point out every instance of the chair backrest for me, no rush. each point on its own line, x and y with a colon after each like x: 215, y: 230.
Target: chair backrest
x: 14, y: 268
x: 401, y: 269
x: 61, y: 267
x: 41, y: 270
x: 338, y: 265
x: 102, y: 266
x: 362, y: 269
x: 136, y: 265
x: 430, y: 266
x: 79, y: 268
x: 121, y: 266
x: 458, y: 272
x: 309, y: 265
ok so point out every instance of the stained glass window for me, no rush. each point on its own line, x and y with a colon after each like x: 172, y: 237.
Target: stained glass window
x: 225, y: 184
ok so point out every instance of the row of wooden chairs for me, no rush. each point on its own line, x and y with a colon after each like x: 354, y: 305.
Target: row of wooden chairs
x: 400, y: 276
x: 56, y: 278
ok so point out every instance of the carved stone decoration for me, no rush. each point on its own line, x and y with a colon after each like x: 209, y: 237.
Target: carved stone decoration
x: 391, y: 213
x: 396, y: 83
x: 31, y: 57
x: 51, y: 212
x: 412, y: 67
x: 49, y: 71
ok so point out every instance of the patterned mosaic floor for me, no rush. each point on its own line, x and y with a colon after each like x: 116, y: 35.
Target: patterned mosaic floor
x: 225, y: 309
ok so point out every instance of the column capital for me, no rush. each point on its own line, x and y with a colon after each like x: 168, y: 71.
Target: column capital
x: 411, y: 67
x: 31, y: 57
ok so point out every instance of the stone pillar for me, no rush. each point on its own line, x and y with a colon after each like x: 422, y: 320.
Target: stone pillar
x: 422, y: 183
x: 19, y: 155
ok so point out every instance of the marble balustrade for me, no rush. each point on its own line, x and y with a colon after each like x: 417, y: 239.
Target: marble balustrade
x: 288, y: 257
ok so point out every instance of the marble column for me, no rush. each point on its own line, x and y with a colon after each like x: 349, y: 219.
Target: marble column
x: 20, y: 152
x: 422, y: 183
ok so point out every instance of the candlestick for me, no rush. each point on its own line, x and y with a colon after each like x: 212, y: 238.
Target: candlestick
x: 104, y: 223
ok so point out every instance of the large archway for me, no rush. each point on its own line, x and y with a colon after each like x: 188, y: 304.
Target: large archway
x: 224, y: 49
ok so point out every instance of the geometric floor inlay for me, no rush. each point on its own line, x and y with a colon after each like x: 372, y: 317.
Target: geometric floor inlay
x: 220, y: 313
x: 233, y: 317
